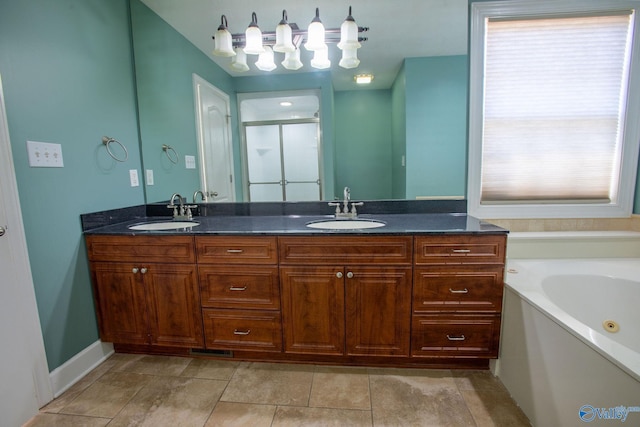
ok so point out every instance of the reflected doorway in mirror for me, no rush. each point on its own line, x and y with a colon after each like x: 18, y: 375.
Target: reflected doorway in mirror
x: 214, y: 141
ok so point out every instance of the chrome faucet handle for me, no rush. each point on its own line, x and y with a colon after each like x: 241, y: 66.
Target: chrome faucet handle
x: 354, y: 212
x: 337, y: 206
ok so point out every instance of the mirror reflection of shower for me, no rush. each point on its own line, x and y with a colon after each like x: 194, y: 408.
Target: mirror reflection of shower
x: 281, y: 146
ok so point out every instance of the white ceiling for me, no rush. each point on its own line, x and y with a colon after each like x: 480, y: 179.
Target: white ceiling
x: 397, y: 30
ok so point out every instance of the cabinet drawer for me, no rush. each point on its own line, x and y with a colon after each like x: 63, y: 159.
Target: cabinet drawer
x: 463, y: 288
x: 464, y: 336
x: 460, y: 249
x: 242, y: 330
x: 252, y: 287
x: 345, y: 250
x: 161, y: 249
x: 236, y: 250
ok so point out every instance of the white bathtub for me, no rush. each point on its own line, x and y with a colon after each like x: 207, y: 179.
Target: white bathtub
x: 557, y: 357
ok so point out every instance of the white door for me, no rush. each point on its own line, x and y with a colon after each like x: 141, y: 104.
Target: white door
x: 25, y: 384
x: 214, y: 141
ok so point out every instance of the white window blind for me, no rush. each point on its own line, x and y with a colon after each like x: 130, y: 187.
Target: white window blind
x: 554, y: 99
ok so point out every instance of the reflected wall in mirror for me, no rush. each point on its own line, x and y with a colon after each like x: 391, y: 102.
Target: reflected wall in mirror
x: 403, y: 142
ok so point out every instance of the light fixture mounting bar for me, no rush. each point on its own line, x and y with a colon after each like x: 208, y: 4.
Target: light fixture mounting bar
x: 332, y: 35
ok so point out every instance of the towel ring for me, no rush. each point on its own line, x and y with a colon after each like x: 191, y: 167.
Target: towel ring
x: 107, y: 142
x: 167, y: 149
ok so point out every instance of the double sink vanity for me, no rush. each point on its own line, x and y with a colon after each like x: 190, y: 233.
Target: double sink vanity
x: 408, y: 284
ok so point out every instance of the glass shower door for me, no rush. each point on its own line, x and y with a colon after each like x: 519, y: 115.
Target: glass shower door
x: 264, y: 163
x: 300, y: 159
x: 283, y: 161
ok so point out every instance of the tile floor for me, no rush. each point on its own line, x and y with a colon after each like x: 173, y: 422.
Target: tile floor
x: 139, y: 390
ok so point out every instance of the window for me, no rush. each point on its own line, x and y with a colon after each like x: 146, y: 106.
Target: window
x: 553, y: 120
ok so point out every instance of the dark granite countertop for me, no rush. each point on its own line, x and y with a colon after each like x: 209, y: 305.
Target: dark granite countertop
x: 396, y: 224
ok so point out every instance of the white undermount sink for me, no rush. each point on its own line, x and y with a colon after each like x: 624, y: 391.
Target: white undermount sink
x: 346, y: 224
x: 163, y: 225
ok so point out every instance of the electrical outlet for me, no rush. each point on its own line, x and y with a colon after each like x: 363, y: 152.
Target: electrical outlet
x: 149, y: 177
x: 133, y: 177
x: 44, y: 155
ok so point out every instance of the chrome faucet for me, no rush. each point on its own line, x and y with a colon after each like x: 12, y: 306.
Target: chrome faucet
x: 345, y: 212
x: 181, y: 211
x: 347, y: 199
x: 195, y: 196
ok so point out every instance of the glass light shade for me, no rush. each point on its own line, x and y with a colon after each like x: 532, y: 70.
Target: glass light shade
x: 253, y: 37
x: 321, y: 59
x: 315, y: 34
x: 239, y: 62
x: 349, y: 58
x: 265, y: 60
x: 222, y: 43
x: 349, y: 35
x: 284, y: 39
x: 292, y: 60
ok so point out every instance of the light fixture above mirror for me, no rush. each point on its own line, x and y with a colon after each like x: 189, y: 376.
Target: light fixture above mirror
x: 287, y: 38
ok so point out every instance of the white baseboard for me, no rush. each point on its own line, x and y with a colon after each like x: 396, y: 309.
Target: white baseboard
x: 78, y: 366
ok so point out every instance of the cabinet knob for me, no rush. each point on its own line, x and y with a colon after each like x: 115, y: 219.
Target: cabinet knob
x: 134, y: 270
x: 349, y: 275
x: 339, y: 274
x: 143, y: 270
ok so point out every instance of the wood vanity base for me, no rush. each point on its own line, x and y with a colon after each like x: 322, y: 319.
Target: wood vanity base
x: 427, y: 301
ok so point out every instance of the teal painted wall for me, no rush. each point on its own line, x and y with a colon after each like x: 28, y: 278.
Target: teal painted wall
x: 166, y: 62
x: 67, y: 76
x: 399, y: 134
x: 364, y: 146
x: 436, y: 110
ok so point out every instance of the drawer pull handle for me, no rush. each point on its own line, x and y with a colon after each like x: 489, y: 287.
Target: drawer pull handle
x: 461, y: 251
x: 459, y: 291
x: 234, y: 251
x: 455, y: 338
x: 237, y: 332
x: 238, y: 288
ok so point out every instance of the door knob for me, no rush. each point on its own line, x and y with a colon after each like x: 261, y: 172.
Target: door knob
x: 2, y: 231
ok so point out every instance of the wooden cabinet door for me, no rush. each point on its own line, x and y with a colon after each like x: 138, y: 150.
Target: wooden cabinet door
x: 313, y: 309
x: 378, y: 310
x: 119, y: 297
x: 175, y: 317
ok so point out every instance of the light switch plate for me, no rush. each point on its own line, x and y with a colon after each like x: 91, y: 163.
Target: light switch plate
x: 44, y: 155
x: 190, y: 162
x: 133, y: 177
x: 149, y: 177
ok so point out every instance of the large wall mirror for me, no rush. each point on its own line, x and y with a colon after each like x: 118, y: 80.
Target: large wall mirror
x: 403, y: 137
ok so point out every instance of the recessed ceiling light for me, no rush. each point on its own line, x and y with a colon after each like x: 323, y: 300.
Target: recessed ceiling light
x: 286, y: 104
x: 363, y: 79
